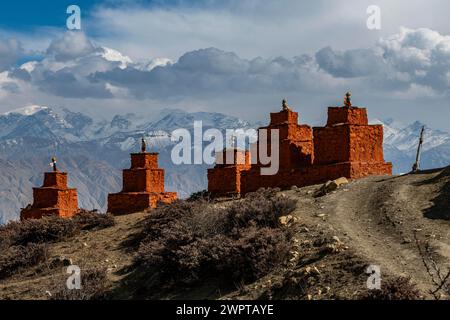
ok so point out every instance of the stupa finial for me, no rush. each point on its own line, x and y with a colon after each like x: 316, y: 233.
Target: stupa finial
x: 53, y: 164
x: 347, y: 100
x: 143, y: 145
x: 284, y: 105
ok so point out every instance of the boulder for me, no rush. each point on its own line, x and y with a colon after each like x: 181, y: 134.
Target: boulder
x: 341, y: 181
x: 287, y: 220
x: 331, y: 186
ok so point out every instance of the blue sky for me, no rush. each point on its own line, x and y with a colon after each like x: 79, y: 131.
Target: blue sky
x: 25, y: 15
x: 236, y: 56
x: 22, y: 15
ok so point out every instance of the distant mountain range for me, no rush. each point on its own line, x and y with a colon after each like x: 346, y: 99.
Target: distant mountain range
x: 95, y: 151
x: 401, y: 141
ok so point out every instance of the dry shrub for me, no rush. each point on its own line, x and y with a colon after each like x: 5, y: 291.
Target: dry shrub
x: 400, y: 288
x: 51, y: 229
x: 201, y: 195
x: 20, y: 242
x: 16, y: 258
x: 189, y: 241
x: 93, y: 287
x: 262, y: 208
x: 86, y: 220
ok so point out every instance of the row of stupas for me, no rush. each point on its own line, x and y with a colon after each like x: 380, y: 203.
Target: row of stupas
x: 347, y: 146
x: 143, y: 189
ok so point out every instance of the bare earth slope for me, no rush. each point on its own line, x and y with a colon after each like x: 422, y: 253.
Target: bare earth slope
x: 377, y: 220
x: 381, y: 218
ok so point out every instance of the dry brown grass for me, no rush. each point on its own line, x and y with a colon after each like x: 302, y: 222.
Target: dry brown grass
x: 394, y: 289
x: 16, y: 258
x: 190, y: 241
x: 22, y: 244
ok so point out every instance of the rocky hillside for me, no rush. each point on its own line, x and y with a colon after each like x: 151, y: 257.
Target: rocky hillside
x: 399, y: 224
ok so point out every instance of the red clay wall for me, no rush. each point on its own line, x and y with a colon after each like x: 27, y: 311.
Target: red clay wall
x: 252, y: 180
x: 295, y: 144
x: 296, y: 147
x: 130, y: 202
x: 144, y: 160
x: 283, y: 117
x: 344, y: 143
x: 143, y: 180
x: 225, y: 179
x: 331, y: 144
x: 55, y: 179
x: 346, y: 147
x: 366, y: 143
x: 124, y: 203
x: 353, y: 115
x: 143, y: 186
x: 233, y: 157
x: 54, y: 198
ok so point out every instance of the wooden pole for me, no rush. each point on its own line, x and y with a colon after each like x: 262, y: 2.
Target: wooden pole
x: 416, y: 166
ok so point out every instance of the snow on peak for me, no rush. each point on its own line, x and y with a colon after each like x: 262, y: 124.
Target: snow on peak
x: 28, y: 110
x: 29, y: 66
x: 115, y: 56
x: 157, y: 62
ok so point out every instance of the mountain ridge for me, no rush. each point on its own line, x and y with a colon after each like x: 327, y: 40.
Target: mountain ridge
x: 94, y: 151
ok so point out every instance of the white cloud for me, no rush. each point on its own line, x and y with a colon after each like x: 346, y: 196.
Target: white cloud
x: 76, y: 71
x: 251, y: 28
x: 65, y: 68
x: 10, y: 51
x: 422, y: 54
x: 350, y: 63
x: 207, y: 72
x: 410, y: 57
x: 70, y: 46
x: 75, y: 67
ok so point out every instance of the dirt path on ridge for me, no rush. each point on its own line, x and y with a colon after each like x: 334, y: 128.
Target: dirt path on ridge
x: 379, y: 217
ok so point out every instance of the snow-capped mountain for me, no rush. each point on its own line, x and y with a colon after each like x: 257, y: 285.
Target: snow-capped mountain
x: 115, y: 56
x: 401, y: 141
x: 152, y: 64
x: 94, y: 151
x: 27, y: 111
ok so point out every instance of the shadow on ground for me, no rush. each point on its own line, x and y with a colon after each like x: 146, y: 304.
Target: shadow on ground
x: 440, y: 208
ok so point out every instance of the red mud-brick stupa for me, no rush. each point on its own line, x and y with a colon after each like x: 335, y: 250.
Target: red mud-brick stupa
x: 54, y: 198
x: 226, y: 178
x: 346, y: 147
x: 143, y: 185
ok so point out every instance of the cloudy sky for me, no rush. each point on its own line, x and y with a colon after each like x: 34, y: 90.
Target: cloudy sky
x: 239, y: 57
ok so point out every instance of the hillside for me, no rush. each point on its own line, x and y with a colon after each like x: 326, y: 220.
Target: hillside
x: 398, y: 223
x: 94, y: 151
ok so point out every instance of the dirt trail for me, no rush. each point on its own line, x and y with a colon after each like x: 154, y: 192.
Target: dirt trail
x: 379, y: 217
